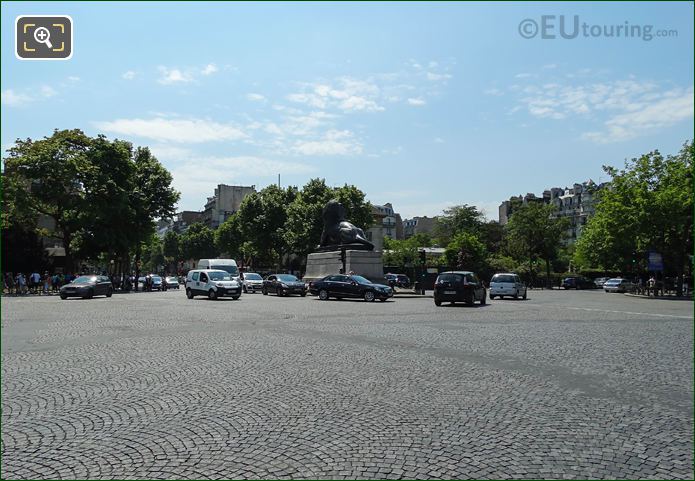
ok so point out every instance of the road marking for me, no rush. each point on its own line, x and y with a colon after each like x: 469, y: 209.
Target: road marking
x: 628, y: 312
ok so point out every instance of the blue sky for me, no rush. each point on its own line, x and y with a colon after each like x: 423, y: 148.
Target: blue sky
x: 421, y: 105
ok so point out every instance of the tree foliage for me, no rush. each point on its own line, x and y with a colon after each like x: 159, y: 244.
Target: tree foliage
x: 648, y: 206
x: 198, y: 242
x: 102, y: 195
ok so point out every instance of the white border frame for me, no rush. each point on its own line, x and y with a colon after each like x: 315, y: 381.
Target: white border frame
x: 72, y: 33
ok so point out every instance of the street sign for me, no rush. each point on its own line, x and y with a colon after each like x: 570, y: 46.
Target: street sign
x: 656, y: 263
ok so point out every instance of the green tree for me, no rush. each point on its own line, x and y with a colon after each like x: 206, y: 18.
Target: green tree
x: 533, y: 232
x: 304, y: 217
x: 357, y: 210
x: 648, y: 206
x: 46, y: 177
x: 466, y: 251
x: 228, y: 237
x: 198, y: 242
x: 457, y: 220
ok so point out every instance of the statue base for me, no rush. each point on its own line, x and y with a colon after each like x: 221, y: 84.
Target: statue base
x: 356, y: 246
x: 367, y: 264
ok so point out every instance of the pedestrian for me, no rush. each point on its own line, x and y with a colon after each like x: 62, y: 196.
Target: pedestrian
x: 21, y: 284
x: 9, y: 282
x: 651, y: 286
x: 47, y: 283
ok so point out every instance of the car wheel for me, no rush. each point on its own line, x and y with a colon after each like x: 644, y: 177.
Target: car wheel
x: 491, y: 297
x: 437, y: 302
x: 323, y: 294
x: 369, y: 296
x: 265, y: 291
x: 524, y: 296
x: 109, y: 293
x: 189, y: 293
x: 63, y: 296
x: 236, y: 297
x: 516, y: 295
x: 303, y: 294
x: 212, y: 295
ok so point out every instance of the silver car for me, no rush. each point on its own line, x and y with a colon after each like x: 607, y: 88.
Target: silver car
x: 507, y: 284
x: 618, y: 285
x: 252, y: 282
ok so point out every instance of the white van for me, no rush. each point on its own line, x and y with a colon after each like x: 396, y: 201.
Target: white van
x: 228, y: 265
x: 507, y: 284
x: 211, y: 283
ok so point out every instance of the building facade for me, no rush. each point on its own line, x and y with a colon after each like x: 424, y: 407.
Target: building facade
x: 576, y: 203
x: 419, y: 225
x: 225, y: 201
x: 387, y: 223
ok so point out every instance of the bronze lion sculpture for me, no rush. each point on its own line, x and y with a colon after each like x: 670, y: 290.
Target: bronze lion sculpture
x: 338, y: 231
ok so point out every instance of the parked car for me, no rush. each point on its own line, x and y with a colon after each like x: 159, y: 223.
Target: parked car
x: 283, y: 285
x: 397, y: 280
x: 618, y: 285
x: 87, y: 287
x: 459, y: 286
x: 171, y: 282
x: 211, y: 283
x: 341, y: 286
x: 507, y: 284
x: 600, y: 281
x: 252, y: 282
x: 578, y: 283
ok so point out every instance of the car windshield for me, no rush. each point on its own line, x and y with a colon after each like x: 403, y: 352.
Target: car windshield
x: 287, y: 278
x: 84, y: 280
x: 172, y: 279
x: 219, y: 276
x: 156, y: 279
x: 613, y: 281
x: 360, y: 280
x: 252, y: 277
x: 450, y: 278
x: 503, y: 278
x: 231, y: 270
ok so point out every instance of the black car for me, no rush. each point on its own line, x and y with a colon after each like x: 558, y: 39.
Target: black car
x: 87, y: 287
x: 340, y: 285
x: 459, y: 286
x: 283, y: 285
x: 578, y: 283
x: 397, y: 280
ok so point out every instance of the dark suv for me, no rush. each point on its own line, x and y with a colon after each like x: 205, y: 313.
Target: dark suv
x: 459, y: 286
x: 578, y: 283
x: 397, y: 280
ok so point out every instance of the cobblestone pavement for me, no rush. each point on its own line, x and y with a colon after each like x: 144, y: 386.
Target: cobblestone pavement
x: 152, y: 385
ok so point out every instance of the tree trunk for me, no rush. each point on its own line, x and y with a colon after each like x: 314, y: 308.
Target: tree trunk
x: 547, y: 273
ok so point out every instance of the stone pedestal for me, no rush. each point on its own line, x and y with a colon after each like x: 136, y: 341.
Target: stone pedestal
x: 364, y: 263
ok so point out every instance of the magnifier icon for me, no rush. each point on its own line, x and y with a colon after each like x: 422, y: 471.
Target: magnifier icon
x: 43, y: 35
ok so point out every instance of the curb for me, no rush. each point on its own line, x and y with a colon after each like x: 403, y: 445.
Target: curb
x: 671, y: 298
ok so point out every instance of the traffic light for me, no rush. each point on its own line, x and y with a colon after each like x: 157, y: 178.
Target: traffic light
x: 634, y: 257
x: 423, y: 257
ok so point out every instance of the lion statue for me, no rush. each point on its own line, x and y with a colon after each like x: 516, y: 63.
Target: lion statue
x: 337, y: 230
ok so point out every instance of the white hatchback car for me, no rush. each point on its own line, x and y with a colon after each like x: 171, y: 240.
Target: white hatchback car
x: 507, y: 284
x: 212, y: 283
x: 252, y: 282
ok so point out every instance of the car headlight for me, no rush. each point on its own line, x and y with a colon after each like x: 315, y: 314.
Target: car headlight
x: 283, y: 285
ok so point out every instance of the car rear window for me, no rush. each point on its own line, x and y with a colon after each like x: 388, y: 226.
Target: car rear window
x: 504, y: 278
x: 450, y: 278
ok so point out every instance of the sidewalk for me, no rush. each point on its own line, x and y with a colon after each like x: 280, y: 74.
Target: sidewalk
x: 670, y: 298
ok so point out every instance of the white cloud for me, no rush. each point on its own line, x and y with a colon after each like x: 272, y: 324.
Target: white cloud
x: 346, y: 94
x: 334, y: 142
x: 47, y: 91
x: 12, y: 98
x: 173, y: 130
x: 15, y: 99
x: 129, y: 75
x: 209, y: 69
x: 255, y: 97
x: 74, y: 78
x: 522, y: 75
x: 173, y: 76
x: 417, y: 102
x: 438, y: 76
x: 493, y: 91
x: 674, y: 106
